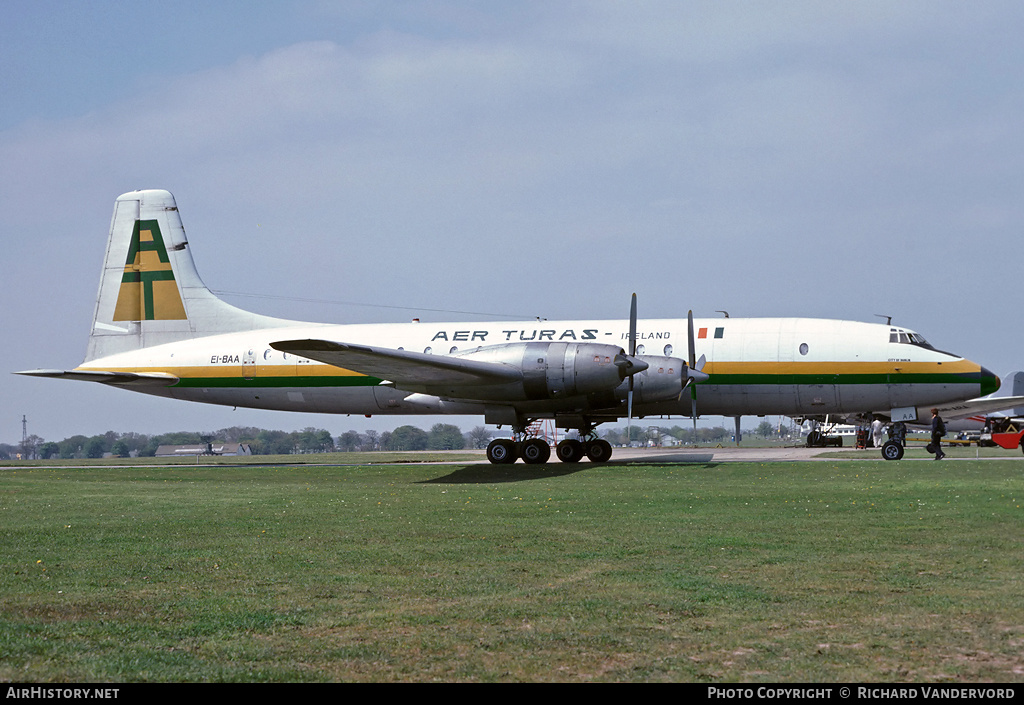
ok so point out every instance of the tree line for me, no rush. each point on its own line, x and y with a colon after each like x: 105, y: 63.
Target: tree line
x: 657, y: 435
x: 260, y: 441
x: 441, y: 436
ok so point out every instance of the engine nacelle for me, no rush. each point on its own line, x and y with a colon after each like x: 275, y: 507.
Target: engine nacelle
x: 661, y: 381
x: 554, y: 370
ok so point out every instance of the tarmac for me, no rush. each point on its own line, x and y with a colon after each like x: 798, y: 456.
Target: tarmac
x: 722, y: 454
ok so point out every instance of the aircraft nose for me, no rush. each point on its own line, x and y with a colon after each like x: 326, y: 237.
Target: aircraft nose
x: 989, y: 382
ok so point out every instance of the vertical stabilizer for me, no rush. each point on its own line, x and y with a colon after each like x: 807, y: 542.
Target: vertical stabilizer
x: 150, y: 292
x: 1013, y: 386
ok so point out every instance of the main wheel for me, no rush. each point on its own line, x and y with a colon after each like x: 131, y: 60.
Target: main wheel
x: 535, y: 451
x: 501, y: 451
x: 569, y: 451
x: 599, y: 451
x: 891, y: 450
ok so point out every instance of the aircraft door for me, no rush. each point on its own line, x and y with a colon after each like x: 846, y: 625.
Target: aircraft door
x: 249, y: 364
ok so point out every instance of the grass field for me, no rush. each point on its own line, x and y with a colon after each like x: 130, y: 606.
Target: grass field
x: 848, y: 570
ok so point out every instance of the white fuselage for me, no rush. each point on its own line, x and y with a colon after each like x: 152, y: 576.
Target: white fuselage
x: 788, y: 366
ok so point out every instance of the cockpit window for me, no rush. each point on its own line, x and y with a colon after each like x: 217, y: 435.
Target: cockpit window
x: 898, y: 335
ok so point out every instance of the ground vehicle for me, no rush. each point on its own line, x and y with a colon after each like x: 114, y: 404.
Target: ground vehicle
x: 1005, y: 432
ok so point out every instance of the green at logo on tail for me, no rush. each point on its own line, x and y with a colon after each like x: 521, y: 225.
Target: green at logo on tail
x: 148, y: 290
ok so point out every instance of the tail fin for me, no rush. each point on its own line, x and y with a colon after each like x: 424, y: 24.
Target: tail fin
x: 150, y: 292
x: 1012, y: 386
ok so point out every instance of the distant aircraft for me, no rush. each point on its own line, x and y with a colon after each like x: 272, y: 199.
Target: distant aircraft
x: 1008, y: 398
x: 157, y: 329
x: 1002, y: 422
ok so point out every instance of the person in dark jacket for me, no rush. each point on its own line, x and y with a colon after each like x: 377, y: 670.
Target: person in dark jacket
x: 938, y: 431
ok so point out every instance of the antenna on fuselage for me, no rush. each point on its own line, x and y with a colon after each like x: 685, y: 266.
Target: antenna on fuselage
x: 888, y: 319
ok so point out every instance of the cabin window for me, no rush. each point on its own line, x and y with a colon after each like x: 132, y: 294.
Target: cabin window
x: 668, y: 351
x: 803, y: 348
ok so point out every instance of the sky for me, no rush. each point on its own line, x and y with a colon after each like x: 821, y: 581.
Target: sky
x: 368, y: 161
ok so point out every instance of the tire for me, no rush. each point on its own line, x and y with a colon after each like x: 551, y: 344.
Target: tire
x: 501, y: 451
x: 891, y: 450
x: 599, y: 451
x: 569, y: 451
x: 535, y: 451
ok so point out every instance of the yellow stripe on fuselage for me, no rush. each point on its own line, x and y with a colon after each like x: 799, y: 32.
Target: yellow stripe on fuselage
x: 218, y: 371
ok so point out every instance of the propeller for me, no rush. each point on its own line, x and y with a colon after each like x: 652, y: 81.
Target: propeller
x: 632, y: 354
x: 630, y: 365
x: 694, y: 374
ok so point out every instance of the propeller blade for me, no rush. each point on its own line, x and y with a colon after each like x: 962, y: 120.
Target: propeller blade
x: 693, y: 353
x: 694, y: 373
x: 632, y: 327
x: 632, y: 354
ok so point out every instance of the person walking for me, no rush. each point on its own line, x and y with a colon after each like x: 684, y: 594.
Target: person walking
x: 877, y: 429
x: 938, y: 431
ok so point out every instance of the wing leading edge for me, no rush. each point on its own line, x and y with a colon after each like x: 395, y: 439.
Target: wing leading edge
x: 402, y: 367
x: 982, y: 406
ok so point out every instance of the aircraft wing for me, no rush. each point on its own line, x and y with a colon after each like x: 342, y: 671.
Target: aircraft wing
x: 135, y: 379
x: 983, y: 406
x: 402, y: 367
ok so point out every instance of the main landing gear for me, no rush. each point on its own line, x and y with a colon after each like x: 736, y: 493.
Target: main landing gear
x: 504, y: 451
x: 571, y: 450
x: 535, y: 450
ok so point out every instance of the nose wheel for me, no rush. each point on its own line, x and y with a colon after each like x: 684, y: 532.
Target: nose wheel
x: 892, y: 450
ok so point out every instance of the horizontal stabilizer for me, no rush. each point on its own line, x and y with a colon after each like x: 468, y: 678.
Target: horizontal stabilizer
x: 402, y: 367
x: 135, y: 379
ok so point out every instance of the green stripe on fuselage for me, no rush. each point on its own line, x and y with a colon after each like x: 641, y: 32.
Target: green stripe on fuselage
x: 276, y: 382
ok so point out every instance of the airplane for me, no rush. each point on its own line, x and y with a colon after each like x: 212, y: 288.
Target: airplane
x: 1011, y: 388
x: 157, y: 329
x: 1003, y: 427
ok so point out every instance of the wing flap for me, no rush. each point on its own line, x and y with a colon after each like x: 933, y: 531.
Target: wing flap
x: 401, y: 367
